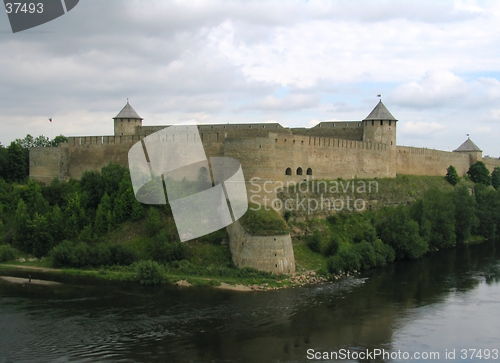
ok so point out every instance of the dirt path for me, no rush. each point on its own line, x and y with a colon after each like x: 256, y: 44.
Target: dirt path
x: 25, y: 281
x: 36, y: 268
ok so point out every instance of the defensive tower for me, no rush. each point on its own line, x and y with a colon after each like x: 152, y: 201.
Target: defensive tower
x: 127, y: 121
x: 380, y: 126
x: 475, y: 153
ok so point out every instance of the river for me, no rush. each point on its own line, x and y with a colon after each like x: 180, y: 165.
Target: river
x: 444, y: 303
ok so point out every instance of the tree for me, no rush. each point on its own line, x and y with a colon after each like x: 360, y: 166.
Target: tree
x: 58, y: 140
x: 401, y: 232
x: 495, y: 178
x: 17, y: 169
x: 465, y: 213
x: 479, y: 173
x: 452, y: 175
x: 3, y: 162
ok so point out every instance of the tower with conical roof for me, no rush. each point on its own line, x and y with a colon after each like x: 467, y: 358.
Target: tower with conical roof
x: 127, y: 121
x: 475, y: 153
x: 380, y: 126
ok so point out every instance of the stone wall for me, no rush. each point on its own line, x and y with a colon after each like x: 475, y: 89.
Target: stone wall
x: 265, y: 253
x: 491, y: 163
x: 421, y: 161
x: 47, y: 163
x: 346, y: 130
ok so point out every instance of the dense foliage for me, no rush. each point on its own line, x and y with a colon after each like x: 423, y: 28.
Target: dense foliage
x: 479, y: 173
x: 14, y: 159
x: 452, y: 175
x: 441, y: 219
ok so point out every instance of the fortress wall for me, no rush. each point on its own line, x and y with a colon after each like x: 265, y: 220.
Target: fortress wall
x: 95, y: 156
x: 47, y: 163
x: 491, y: 163
x: 351, y: 130
x: 103, y: 140
x: 266, y: 253
x: 256, y: 156
x: 330, y: 158
x: 421, y: 161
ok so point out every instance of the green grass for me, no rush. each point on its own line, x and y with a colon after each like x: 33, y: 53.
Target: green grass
x: 258, y: 221
x: 307, y: 260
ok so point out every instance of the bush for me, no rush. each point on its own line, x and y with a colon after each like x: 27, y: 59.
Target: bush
x: 63, y: 255
x: 314, y: 242
x: 451, y: 175
x: 495, y: 178
x: 397, y: 229
x: 149, y: 272
x: 7, y: 253
x: 479, y: 173
x: 69, y: 254
x: 122, y: 255
x: 332, y: 247
x: 366, y: 254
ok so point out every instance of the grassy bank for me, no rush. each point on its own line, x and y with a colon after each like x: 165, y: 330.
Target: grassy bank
x: 327, y: 241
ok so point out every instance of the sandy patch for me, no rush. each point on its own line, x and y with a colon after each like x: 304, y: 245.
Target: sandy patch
x: 19, y: 280
x: 183, y: 283
x: 239, y: 287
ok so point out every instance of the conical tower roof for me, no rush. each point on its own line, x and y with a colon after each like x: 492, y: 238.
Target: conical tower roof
x: 127, y: 112
x: 380, y: 112
x: 468, y: 146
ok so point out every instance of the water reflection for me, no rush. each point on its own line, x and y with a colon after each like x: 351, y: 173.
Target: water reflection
x: 430, y: 303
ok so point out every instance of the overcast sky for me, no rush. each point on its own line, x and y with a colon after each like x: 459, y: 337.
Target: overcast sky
x: 436, y: 64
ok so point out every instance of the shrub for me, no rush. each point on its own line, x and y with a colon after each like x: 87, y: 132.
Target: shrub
x: 7, y: 253
x: 149, y: 272
x: 366, y: 254
x: 314, y: 242
x: 495, y: 178
x: 63, y: 254
x: 479, y: 173
x: 346, y: 260
x: 122, y: 255
x: 332, y: 247
x: 451, y: 175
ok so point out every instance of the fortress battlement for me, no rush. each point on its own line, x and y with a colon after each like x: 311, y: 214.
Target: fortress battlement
x: 329, y: 150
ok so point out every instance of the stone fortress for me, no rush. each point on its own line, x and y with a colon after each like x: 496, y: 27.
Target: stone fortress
x: 269, y: 153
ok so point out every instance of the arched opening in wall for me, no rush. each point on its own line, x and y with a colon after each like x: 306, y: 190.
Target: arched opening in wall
x: 309, y: 171
x: 288, y: 171
x: 299, y: 171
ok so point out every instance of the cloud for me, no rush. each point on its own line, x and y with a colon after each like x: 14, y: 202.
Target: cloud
x: 286, y: 104
x: 419, y: 129
x: 226, y: 61
x: 434, y: 89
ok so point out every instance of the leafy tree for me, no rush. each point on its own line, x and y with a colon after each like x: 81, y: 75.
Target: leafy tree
x: 495, y: 178
x: 332, y: 247
x: 58, y: 140
x: 487, y: 211
x: 397, y: 229
x: 112, y: 175
x: 92, y: 185
x: 314, y: 241
x: 452, y: 175
x: 439, y: 210
x: 465, y: 213
x: 4, y: 162
x: 154, y: 223
x: 22, y: 223
x: 479, y: 173
x: 149, y: 273
x: 41, y: 237
x: 17, y: 165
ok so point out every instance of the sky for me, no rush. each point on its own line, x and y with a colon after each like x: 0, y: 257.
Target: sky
x: 436, y: 65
